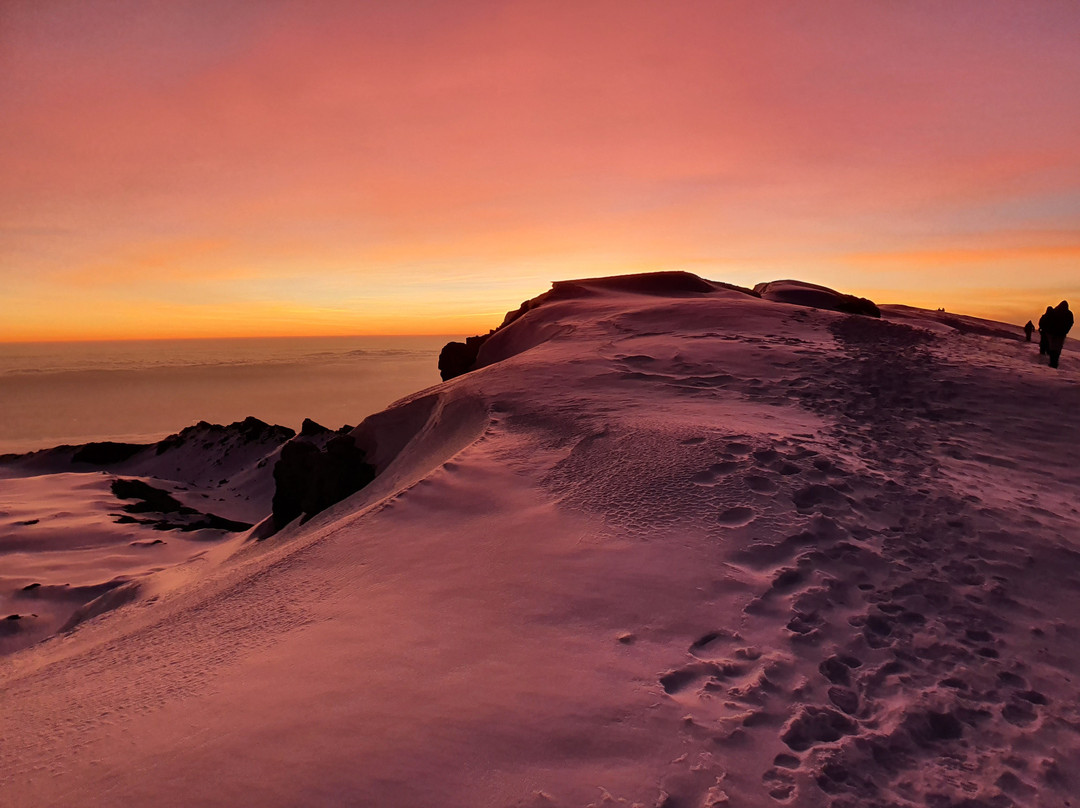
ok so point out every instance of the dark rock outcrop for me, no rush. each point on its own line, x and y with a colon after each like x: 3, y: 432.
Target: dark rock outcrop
x: 293, y: 475
x: 105, y: 453
x: 250, y: 430
x: 308, y: 481
x: 799, y: 293
x: 311, y: 428
x: 150, y: 500
x: 858, y: 305
x: 673, y: 283
x: 457, y: 358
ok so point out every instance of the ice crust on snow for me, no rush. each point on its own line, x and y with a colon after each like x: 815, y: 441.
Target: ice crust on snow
x: 669, y: 543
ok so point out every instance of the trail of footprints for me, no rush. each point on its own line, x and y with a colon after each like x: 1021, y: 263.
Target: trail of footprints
x: 701, y: 379
x: 900, y: 615
x: 894, y: 594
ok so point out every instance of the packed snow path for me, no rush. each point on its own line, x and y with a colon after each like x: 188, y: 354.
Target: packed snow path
x: 676, y: 551
x: 932, y: 590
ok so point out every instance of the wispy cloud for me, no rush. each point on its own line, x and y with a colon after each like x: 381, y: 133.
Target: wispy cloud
x: 235, y: 149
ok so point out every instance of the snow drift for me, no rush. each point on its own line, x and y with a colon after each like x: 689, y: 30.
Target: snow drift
x: 818, y: 297
x: 669, y: 543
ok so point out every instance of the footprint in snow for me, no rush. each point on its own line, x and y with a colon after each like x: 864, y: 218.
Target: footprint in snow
x: 713, y: 473
x: 760, y: 484
x: 737, y: 516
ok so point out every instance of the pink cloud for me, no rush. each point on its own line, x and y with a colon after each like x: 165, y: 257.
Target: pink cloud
x: 657, y: 132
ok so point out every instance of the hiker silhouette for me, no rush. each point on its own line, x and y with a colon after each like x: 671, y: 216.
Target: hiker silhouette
x: 1058, y: 323
x: 1028, y: 328
x: 1043, y: 334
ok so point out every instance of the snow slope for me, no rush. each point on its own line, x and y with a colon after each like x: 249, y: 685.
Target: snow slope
x: 71, y: 548
x: 662, y: 549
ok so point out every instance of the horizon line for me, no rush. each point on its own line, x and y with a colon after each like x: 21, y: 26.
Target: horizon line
x: 213, y: 338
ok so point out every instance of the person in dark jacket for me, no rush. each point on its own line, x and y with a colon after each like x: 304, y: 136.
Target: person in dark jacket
x: 1058, y: 325
x: 1028, y: 328
x: 1043, y: 335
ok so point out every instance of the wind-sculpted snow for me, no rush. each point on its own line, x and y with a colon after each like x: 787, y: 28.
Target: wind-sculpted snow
x: 107, y: 516
x: 678, y: 550
x: 461, y: 357
x: 819, y: 297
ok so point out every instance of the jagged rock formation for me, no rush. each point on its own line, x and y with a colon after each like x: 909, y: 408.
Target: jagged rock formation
x: 310, y: 428
x: 201, y: 435
x: 308, y: 481
x: 250, y: 430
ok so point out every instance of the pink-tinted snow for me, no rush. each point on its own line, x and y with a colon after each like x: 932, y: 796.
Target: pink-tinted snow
x: 698, y: 549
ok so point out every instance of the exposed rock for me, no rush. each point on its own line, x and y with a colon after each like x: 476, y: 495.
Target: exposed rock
x: 250, y: 430
x: 293, y: 475
x: 106, y: 453
x: 310, y: 428
x: 858, y: 305
x: 155, y: 500
x: 457, y: 358
x: 308, y: 481
x: 674, y: 283
x: 150, y: 499
x: 799, y: 293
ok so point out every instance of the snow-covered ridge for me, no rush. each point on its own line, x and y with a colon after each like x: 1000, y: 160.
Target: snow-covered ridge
x: 459, y: 358
x: 86, y: 527
x: 671, y: 546
x: 183, y: 454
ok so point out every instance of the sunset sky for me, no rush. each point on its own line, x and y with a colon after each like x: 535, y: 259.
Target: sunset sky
x: 215, y: 168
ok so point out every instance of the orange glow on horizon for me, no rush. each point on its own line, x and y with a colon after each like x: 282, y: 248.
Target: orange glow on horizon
x: 325, y: 168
